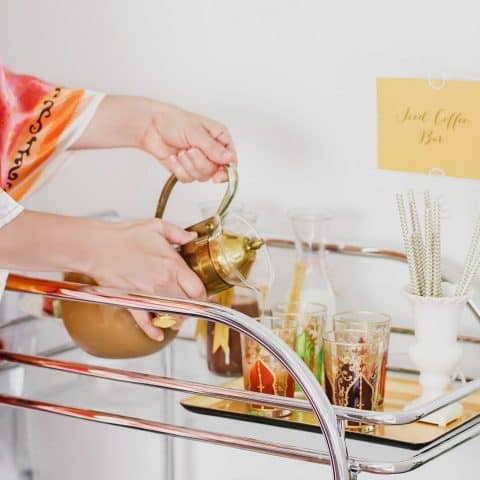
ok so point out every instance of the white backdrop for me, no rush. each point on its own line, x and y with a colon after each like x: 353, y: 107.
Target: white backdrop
x: 294, y: 81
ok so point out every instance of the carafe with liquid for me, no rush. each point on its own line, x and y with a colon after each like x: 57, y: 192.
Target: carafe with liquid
x: 311, y: 282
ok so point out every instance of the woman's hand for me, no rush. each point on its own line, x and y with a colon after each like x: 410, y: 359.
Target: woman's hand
x: 146, y: 261
x: 144, y: 250
x: 140, y: 256
x: 136, y: 256
x: 190, y: 146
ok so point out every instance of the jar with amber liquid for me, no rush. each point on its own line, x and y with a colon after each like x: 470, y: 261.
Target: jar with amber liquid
x: 224, y: 352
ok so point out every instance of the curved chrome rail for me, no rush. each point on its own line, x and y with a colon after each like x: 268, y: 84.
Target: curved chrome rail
x: 373, y: 417
x: 240, y: 322
x: 355, y: 465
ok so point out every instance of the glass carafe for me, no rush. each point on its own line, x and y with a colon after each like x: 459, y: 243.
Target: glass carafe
x: 311, y: 282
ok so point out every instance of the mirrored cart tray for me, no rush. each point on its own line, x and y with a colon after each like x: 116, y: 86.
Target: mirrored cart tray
x: 399, y: 392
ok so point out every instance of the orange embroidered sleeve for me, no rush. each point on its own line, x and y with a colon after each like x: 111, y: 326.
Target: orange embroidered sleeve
x: 38, y: 121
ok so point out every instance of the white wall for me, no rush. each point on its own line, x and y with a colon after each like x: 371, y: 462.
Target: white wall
x: 295, y: 81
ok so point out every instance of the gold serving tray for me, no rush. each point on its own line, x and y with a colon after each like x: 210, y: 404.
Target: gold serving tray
x: 399, y: 392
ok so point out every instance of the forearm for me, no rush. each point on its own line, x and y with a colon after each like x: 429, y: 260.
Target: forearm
x: 44, y: 242
x: 120, y: 121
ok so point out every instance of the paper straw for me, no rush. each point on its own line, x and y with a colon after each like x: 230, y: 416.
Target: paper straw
x: 471, y: 276
x: 417, y: 250
x: 436, y: 251
x: 427, y: 199
x: 413, y: 211
x: 428, y: 253
x: 403, y: 217
x: 470, y: 261
x: 414, y: 283
x: 417, y: 242
x: 412, y: 267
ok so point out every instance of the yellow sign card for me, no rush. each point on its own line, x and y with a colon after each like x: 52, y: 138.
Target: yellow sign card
x: 428, y: 126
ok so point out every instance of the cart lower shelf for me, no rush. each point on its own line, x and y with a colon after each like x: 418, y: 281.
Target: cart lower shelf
x: 399, y: 392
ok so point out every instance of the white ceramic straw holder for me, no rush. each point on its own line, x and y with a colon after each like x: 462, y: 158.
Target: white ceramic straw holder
x: 436, y: 352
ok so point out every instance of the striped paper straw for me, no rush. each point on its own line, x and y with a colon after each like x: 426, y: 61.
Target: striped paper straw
x: 471, y: 262
x: 418, y: 256
x: 428, y: 253
x: 436, y: 251
x: 414, y: 282
x: 417, y: 241
x: 413, y: 211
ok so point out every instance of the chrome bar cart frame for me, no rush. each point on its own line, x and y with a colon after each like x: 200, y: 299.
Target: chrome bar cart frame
x: 330, y: 418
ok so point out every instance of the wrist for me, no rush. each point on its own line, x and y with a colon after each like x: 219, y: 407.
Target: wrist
x: 44, y: 242
x: 86, y: 243
x: 70, y: 243
x: 130, y: 118
x: 138, y: 118
x: 120, y: 121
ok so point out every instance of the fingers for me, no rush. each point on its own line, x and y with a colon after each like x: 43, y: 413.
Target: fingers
x: 172, y: 277
x: 223, y: 137
x: 152, y: 265
x: 175, y: 279
x: 144, y: 321
x: 157, y: 147
x: 176, y: 167
x: 178, y: 279
x: 174, y: 234
x: 214, y: 149
x: 219, y: 132
x: 191, y: 284
x: 220, y: 176
x: 194, y: 165
x: 197, y: 164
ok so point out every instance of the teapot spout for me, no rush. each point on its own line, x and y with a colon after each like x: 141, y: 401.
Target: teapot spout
x: 255, y: 243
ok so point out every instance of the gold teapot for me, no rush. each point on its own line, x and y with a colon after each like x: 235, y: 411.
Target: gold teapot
x: 220, y: 257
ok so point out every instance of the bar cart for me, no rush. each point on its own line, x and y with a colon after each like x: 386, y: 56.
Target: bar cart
x: 330, y: 419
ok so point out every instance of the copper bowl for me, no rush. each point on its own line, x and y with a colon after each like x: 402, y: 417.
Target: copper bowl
x: 108, y: 332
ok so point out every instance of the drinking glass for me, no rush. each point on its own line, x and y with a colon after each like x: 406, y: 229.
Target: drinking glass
x: 309, y: 320
x: 352, y: 368
x: 376, y: 324
x: 262, y: 372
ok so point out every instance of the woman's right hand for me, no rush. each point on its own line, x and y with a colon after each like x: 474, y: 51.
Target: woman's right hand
x: 140, y: 256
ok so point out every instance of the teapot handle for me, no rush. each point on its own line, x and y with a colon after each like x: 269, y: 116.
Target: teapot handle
x: 224, y: 204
